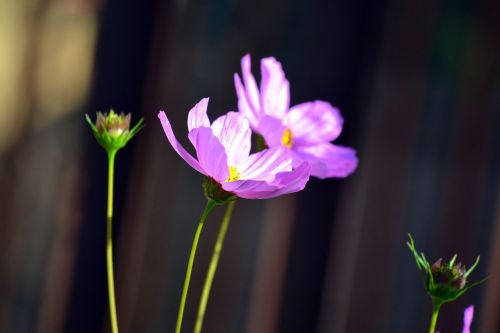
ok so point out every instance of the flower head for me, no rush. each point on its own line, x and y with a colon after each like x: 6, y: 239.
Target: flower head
x: 305, y: 129
x: 112, y: 130
x: 223, y: 155
x: 444, y: 281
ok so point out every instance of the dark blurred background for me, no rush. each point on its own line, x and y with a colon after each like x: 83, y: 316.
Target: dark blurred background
x: 418, y: 84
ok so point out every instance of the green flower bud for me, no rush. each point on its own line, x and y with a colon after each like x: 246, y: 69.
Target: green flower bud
x: 444, y: 281
x: 112, y: 130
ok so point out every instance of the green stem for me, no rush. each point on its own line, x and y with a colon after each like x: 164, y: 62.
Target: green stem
x: 202, y: 307
x: 109, y: 244
x: 435, y: 312
x: 180, y: 315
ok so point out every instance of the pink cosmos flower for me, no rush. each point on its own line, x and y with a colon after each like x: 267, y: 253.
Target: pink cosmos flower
x: 223, y: 154
x: 305, y: 129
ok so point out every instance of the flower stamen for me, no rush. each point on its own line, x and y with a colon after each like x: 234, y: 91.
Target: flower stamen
x: 233, y: 174
x: 287, y: 138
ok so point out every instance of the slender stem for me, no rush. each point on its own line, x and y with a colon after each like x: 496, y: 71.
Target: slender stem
x: 109, y: 243
x: 180, y: 315
x: 202, y: 307
x: 435, y: 312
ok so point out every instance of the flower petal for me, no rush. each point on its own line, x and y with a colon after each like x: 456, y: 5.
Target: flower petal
x: 252, y: 91
x: 248, y: 95
x: 266, y: 164
x: 327, y: 160
x: 285, y: 182
x: 250, y: 189
x: 167, y: 128
x: 468, y: 314
x: 272, y: 130
x: 293, y: 181
x: 198, y: 115
x: 233, y: 131
x: 274, y: 89
x: 244, y: 106
x: 314, y: 122
x: 210, y: 152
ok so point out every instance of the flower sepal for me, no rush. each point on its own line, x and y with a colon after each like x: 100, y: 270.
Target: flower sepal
x: 214, y: 192
x: 112, y: 130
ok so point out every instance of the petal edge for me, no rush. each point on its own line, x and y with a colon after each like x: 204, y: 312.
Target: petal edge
x: 167, y: 128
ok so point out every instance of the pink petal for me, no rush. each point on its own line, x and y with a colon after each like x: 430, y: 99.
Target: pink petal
x: 294, y: 181
x: 318, y: 168
x: 198, y: 115
x: 167, y: 128
x: 284, y: 183
x: 328, y: 160
x: 274, y: 89
x: 252, y: 91
x: 468, y: 315
x: 272, y: 130
x: 314, y: 122
x: 210, y: 152
x: 233, y: 131
x: 250, y: 189
x: 244, y: 106
x: 266, y: 164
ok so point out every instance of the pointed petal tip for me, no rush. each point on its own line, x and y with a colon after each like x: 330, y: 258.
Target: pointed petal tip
x: 176, y: 145
x: 237, y: 82
x: 246, y: 60
x: 270, y: 61
x: 197, y: 116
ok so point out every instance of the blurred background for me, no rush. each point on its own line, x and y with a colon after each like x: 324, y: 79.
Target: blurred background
x: 418, y: 84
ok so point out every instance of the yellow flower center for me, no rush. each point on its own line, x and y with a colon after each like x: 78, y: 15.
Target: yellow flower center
x: 233, y: 174
x: 287, y: 138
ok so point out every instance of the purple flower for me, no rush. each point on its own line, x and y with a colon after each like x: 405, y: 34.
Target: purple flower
x: 305, y: 129
x: 468, y: 314
x: 223, y: 154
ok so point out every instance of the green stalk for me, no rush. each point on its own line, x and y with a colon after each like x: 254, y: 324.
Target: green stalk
x: 202, y: 307
x: 435, y: 312
x: 180, y: 315
x: 109, y: 243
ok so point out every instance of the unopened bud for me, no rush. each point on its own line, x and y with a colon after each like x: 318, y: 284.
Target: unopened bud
x: 112, y: 130
x: 444, y: 281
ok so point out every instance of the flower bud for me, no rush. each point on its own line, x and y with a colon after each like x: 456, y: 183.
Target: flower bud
x: 112, y: 130
x: 453, y: 276
x: 444, y: 281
